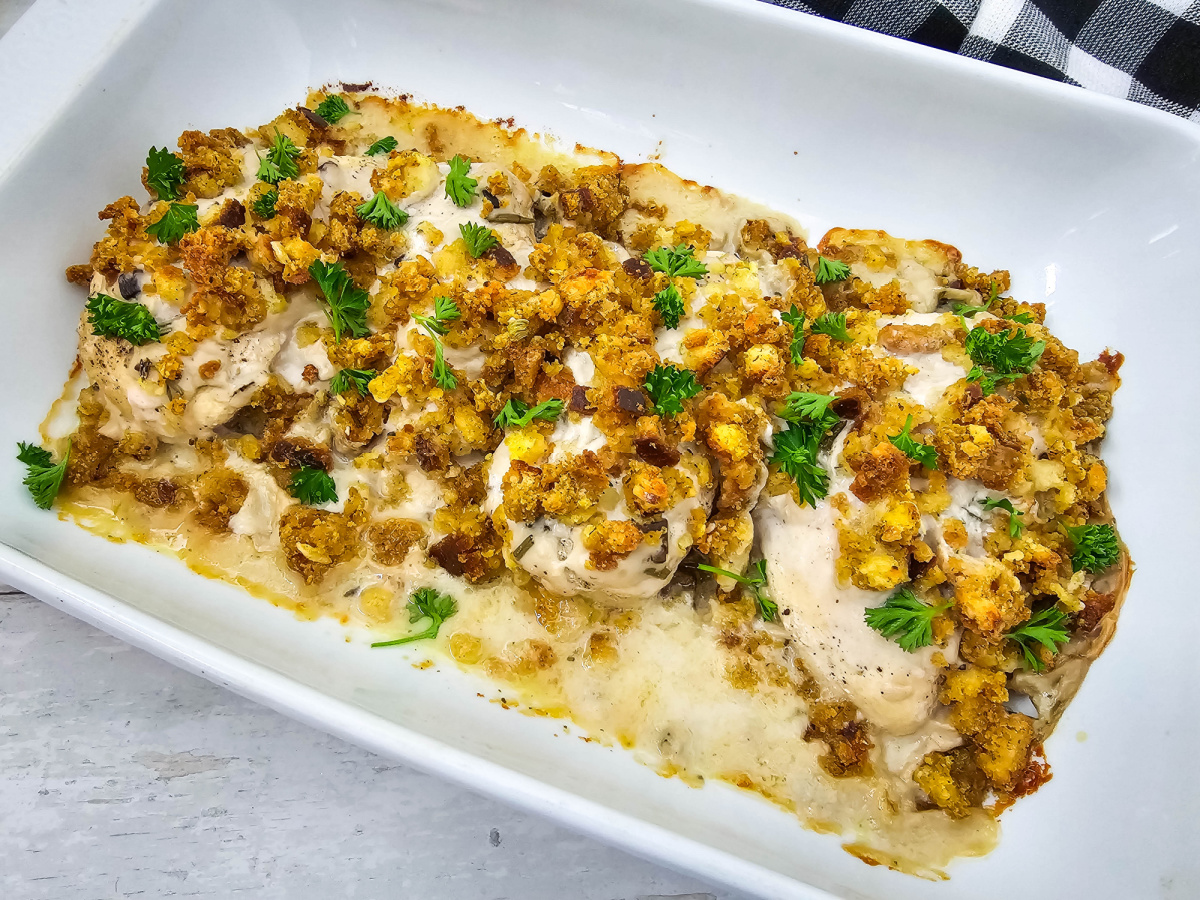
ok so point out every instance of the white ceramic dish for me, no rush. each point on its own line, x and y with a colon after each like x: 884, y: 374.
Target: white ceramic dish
x: 1093, y: 203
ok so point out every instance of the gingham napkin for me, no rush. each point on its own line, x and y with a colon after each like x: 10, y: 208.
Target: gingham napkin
x: 1144, y: 50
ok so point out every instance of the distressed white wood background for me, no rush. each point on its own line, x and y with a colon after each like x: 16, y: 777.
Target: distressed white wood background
x: 122, y: 776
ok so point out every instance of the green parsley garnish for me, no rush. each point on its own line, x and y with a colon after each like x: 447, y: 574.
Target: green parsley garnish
x: 1021, y: 318
x: 312, y: 486
x: 460, y: 186
x: 669, y: 387
x: 111, y: 317
x: 676, y: 261
x: 347, y: 309
x: 1096, y: 547
x: 280, y: 161
x: 43, y: 476
x: 425, y: 603
x: 351, y: 379
x: 904, y: 441
x: 517, y: 415
x: 969, y: 311
x: 795, y: 318
x: 178, y: 220
x: 756, y: 580
x: 796, y: 454
x: 669, y: 304
x: 333, y: 109
x: 832, y: 324
x: 264, y: 204
x: 478, y: 238
x: 810, y: 409
x: 444, y: 310
x: 1045, y: 628
x: 904, y: 614
x: 1002, y: 357
x: 1015, y: 525
x: 830, y: 270
x: 383, y: 145
x: 382, y: 212
x: 165, y: 173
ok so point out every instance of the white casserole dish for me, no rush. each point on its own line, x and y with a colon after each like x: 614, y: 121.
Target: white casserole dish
x: 1093, y: 203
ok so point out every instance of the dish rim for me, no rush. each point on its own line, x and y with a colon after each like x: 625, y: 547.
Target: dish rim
x: 53, y: 89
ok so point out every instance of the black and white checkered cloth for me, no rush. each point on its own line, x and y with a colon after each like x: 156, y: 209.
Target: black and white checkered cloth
x: 1144, y: 50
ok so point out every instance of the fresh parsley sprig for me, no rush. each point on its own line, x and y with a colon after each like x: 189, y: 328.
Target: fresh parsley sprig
x: 755, y: 579
x: 676, y: 261
x: 280, y: 162
x: 832, y: 324
x: 669, y: 304
x: 312, y: 486
x: 110, y: 317
x: 347, y: 304
x: 383, y: 145
x: 1046, y: 628
x: 425, y: 603
x: 795, y: 318
x: 351, y: 380
x: 1096, y: 547
x: 910, y: 447
x: 382, y: 212
x: 178, y: 220
x: 43, y: 477
x: 829, y: 270
x: 264, y: 204
x: 478, y: 238
x: 444, y: 310
x: 796, y: 454
x: 516, y: 414
x: 460, y: 186
x: 1001, y: 357
x: 668, y: 387
x: 970, y: 310
x: 333, y: 109
x: 164, y: 173
x: 1015, y: 525
x: 810, y: 409
x: 905, y: 615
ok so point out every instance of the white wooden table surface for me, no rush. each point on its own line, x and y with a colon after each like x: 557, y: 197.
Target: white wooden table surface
x: 122, y: 776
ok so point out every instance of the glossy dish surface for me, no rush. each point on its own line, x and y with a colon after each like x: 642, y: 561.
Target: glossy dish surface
x: 429, y: 718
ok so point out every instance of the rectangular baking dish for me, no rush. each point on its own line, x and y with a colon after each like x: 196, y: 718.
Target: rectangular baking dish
x: 1094, y: 204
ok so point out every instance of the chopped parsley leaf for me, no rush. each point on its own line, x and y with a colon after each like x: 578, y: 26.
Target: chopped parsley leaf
x: 382, y: 212
x: 905, y: 615
x: 347, y: 304
x: 669, y: 304
x: 111, y: 317
x: 478, y: 238
x: 312, y: 486
x: 43, y: 477
x: 676, y: 261
x: 178, y: 220
x: 351, y: 379
x: 668, y: 387
x: 460, y: 186
x: 913, y: 449
x: 1045, y: 628
x: 830, y: 270
x: 425, y: 603
x: 164, y: 173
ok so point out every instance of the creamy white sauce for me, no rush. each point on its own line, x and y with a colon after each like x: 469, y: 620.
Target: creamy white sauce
x: 265, y: 503
x: 895, y: 690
